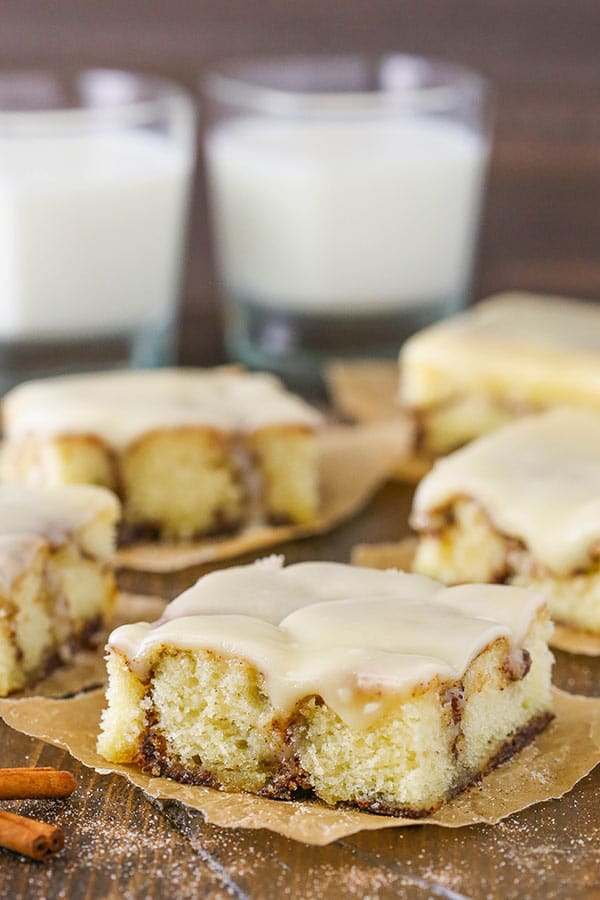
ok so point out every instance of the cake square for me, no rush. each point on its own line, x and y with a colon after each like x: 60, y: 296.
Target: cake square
x: 56, y: 583
x: 190, y: 452
x: 520, y: 506
x: 510, y: 355
x: 381, y: 690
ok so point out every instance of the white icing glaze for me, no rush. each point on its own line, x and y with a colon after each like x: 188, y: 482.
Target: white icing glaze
x: 347, y: 634
x: 518, y: 347
x: 53, y: 513
x: 270, y: 592
x: 33, y: 518
x: 120, y: 407
x: 535, y: 321
x: 538, y: 480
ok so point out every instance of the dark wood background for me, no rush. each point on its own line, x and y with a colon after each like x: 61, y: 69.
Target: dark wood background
x: 542, y: 220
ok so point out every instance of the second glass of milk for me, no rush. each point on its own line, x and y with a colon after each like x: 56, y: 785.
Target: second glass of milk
x: 95, y: 172
x: 345, y: 196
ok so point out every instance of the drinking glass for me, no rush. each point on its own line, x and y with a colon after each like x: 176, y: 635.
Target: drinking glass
x: 95, y: 172
x: 345, y: 199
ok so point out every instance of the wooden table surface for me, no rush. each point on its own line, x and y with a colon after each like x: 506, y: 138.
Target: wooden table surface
x: 120, y: 845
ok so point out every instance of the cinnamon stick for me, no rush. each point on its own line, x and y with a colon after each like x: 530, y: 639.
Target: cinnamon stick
x: 35, y: 784
x: 28, y: 836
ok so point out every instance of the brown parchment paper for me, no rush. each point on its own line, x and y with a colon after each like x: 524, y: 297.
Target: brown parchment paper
x: 366, y: 391
x: 87, y: 669
x: 400, y: 556
x: 395, y: 555
x: 547, y: 769
x: 573, y: 641
x: 354, y: 462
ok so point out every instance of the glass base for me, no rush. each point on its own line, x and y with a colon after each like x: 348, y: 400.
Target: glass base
x: 298, y: 345
x: 143, y: 348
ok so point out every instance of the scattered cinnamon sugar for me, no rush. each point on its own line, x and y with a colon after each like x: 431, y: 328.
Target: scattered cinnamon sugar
x: 550, y: 851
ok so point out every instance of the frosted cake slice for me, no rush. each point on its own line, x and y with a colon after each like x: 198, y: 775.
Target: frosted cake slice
x: 382, y: 690
x: 520, y: 506
x: 190, y: 452
x: 513, y: 354
x: 56, y: 584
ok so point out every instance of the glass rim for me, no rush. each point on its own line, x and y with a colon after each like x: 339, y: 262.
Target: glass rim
x: 126, y: 109
x: 231, y: 82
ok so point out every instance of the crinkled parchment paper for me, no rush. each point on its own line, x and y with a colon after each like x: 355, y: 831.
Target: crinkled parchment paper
x: 354, y: 463
x: 395, y: 555
x: 366, y: 391
x: 87, y: 669
x: 549, y: 767
x: 400, y: 556
x: 573, y: 641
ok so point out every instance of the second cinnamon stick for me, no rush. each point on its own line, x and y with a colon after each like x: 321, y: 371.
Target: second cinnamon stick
x: 35, y: 784
x: 29, y: 837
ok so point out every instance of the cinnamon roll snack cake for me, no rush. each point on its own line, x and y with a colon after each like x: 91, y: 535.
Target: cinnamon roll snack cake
x: 190, y: 452
x: 56, y: 584
x: 508, y: 356
x: 382, y: 690
x: 520, y: 506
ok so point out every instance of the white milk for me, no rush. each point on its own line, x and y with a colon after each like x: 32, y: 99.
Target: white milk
x: 91, y: 231
x: 365, y: 216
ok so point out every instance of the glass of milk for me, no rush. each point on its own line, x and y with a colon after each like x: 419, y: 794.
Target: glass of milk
x: 95, y: 172
x: 345, y: 196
